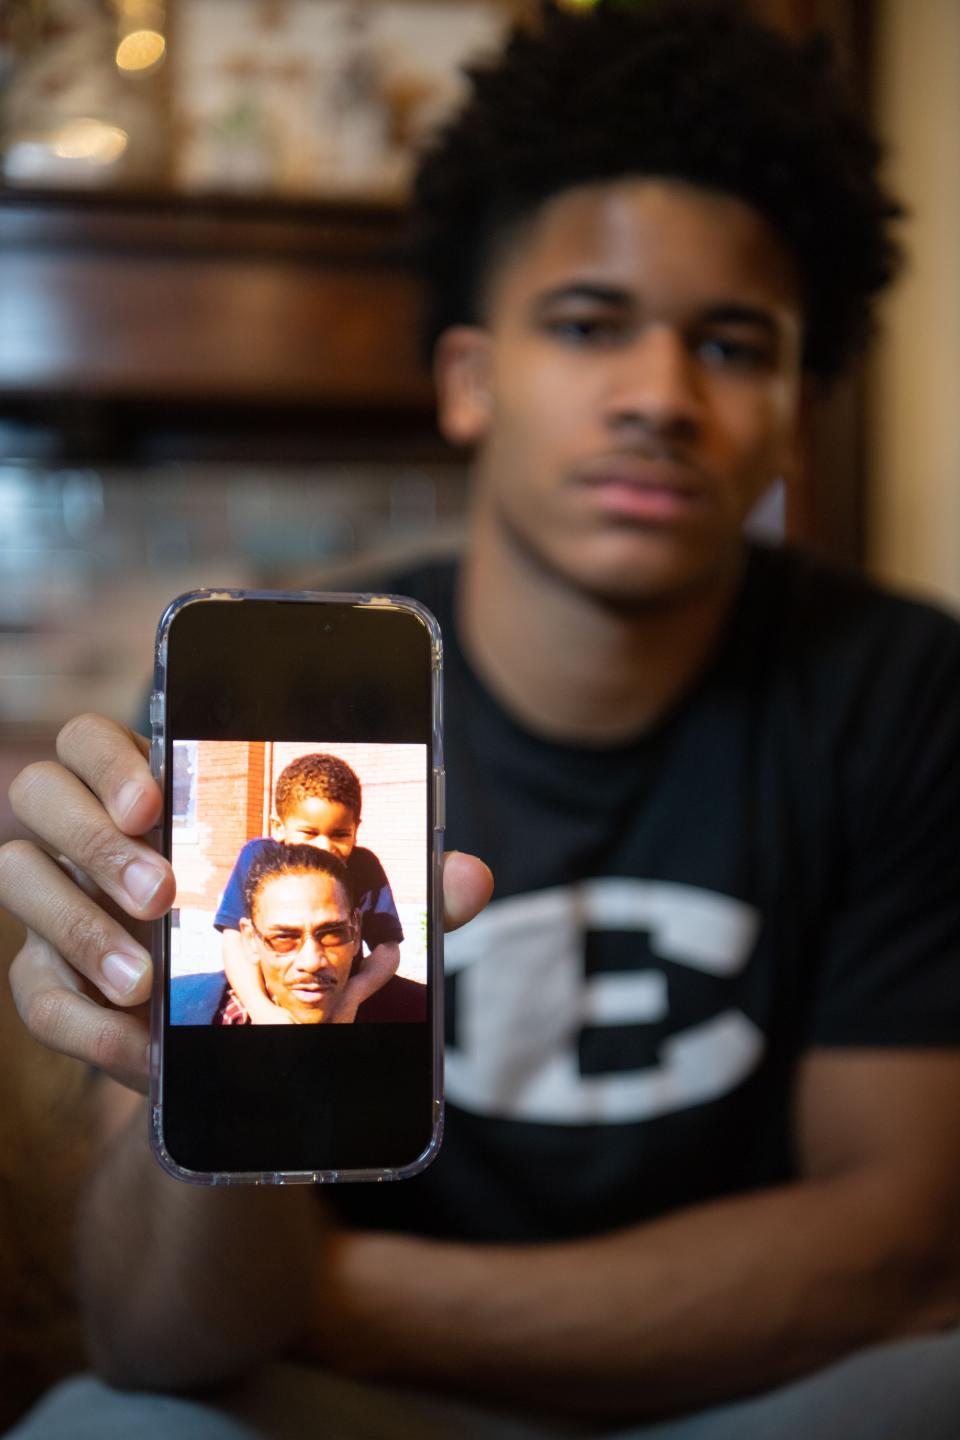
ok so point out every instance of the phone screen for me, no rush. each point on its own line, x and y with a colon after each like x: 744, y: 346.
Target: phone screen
x: 301, y: 763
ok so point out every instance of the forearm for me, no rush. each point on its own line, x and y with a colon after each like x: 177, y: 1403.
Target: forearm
x: 729, y: 1298
x: 377, y: 968
x: 188, y: 1285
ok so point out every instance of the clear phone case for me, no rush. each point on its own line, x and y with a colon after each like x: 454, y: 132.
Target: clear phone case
x: 161, y: 931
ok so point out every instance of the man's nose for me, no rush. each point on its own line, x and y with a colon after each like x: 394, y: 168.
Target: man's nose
x: 312, y: 956
x: 323, y: 842
x: 655, y: 386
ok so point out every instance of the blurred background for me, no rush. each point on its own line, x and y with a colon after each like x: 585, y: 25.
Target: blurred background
x: 208, y: 360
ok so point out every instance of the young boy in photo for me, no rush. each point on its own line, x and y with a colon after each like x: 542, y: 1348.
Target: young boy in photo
x: 317, y: 802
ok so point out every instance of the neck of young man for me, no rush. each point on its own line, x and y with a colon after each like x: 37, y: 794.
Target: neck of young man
x: 569, y: 665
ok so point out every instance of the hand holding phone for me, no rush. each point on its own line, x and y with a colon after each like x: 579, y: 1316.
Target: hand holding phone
x: 97, y: 806
x: 83, y: 978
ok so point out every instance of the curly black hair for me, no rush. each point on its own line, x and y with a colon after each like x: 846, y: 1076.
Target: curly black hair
x: 699, y: 92
x: 324, y: 776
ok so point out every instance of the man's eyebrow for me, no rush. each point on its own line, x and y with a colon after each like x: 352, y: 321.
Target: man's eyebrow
x: 723, y: 312
x: 734, y: 312
x: 583, y: 290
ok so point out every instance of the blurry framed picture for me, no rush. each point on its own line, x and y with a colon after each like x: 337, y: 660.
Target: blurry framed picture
x: 325, y: 98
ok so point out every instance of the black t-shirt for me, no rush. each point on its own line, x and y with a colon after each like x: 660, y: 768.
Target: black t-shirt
x: 775, y: 867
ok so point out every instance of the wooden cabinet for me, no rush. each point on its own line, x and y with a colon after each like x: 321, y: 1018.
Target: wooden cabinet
x: 127, y: 319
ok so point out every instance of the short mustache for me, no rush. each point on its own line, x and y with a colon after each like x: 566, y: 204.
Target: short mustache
x: 649, y: 450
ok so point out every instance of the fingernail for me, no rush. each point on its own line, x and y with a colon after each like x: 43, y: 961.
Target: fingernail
x: 127, y: 797
x: 141, y: 880
x: 123, y: 972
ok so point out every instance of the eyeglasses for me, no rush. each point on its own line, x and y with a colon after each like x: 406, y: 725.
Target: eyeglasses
x: 328, y: 937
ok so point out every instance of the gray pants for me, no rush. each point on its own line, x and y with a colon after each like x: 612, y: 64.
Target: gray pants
x: 909, y: 1390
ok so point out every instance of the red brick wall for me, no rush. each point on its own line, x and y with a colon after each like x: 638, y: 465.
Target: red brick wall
x: 229, y: 791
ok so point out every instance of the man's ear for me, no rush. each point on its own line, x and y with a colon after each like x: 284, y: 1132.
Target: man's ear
x: 276, y: 827
x: 461, y: 372
x: 249, y: 938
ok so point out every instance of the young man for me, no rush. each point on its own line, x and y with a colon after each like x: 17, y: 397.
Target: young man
x: 702, y: 1151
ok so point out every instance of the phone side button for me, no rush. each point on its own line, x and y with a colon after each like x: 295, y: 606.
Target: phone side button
x: 156, y: 709
x: 439, y: 800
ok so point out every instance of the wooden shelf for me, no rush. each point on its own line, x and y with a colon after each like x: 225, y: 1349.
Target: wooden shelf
x: 166, y: 305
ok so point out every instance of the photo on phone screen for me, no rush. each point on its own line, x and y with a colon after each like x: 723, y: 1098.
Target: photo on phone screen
x: 301, y: 873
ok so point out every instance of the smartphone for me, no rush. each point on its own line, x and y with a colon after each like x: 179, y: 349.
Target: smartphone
x: 296, y: 1026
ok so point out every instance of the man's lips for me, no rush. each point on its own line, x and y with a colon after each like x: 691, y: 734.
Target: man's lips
x: 644, y: 490
x: 314, y: 992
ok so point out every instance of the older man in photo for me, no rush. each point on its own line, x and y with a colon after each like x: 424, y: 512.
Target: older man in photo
x: 303, y: 931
